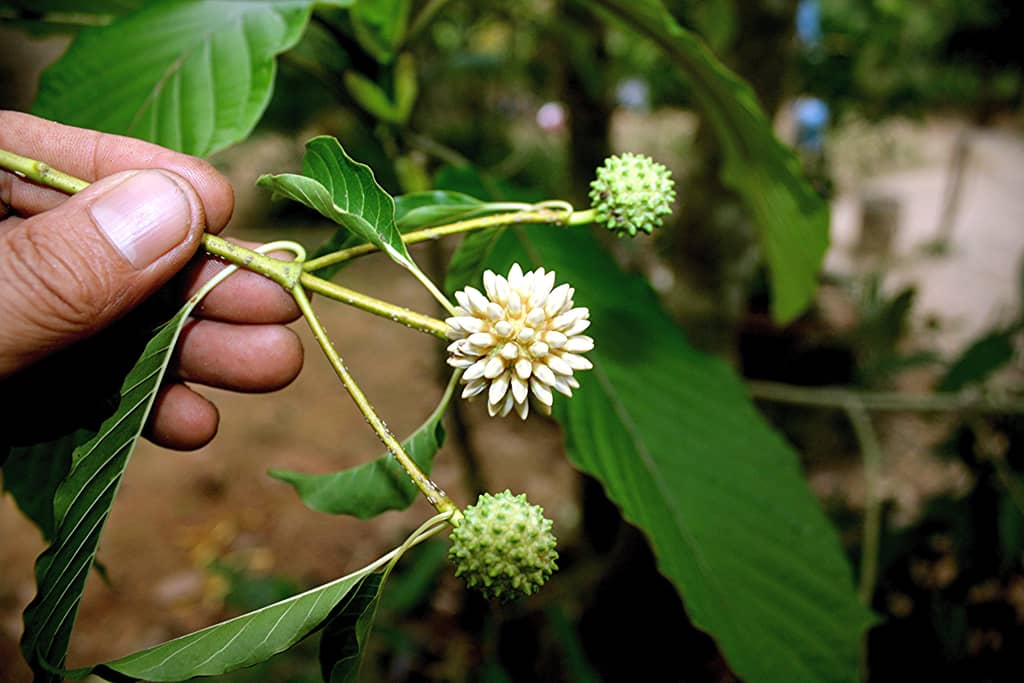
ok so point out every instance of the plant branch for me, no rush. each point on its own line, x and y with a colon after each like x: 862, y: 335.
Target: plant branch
x: 284, y: 273
x: 417, y: 321
x: 433, y: 493
x: 886, y: 401
x: 871, y: 452
x: 41, y: 173
x: 557, y: 216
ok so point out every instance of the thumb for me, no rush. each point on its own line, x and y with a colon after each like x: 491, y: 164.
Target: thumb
x: 69, y: 272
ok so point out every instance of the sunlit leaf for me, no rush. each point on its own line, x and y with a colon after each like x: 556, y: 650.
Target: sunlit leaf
x: 367, y: 490
x: 672, y: 435
x: 192, y: 75
x: 344, y: 191
x: 792, y: 219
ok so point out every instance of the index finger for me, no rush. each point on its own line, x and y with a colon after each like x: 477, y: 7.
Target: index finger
x: 91, y: 155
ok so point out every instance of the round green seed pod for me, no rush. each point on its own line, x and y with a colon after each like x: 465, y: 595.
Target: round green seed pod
x: 503, y: 546
x: 631, y: 193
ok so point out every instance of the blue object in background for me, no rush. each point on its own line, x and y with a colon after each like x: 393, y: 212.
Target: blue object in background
x: 808, y: 22
x: 811, y: 116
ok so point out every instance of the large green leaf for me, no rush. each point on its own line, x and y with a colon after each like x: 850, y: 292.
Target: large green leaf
x: 192, y: 75
x: 344, y: 191
x: 83, y: 501
x: 672, y: 435
x: 367, y: 490
x: 792, y: 219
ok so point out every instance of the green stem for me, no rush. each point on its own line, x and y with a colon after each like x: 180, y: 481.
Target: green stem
x: 435, y: 496
x: 41, y: 172
x: 556, y: 217
x: 417, y: 321
x: 886, y: 401
x: 284, y: 273
x: 871, y: 452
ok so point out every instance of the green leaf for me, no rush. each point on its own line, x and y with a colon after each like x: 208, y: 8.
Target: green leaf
x: 424, y: 209
x: 367, y: 490
x: 192, y: 75
x: 371, y: 97
x: 469, y: 260
x: 82, y: 503
x: 674, y: 438
x: 33, y: 473
x: 983, y: 357
x: 108, y: 7
x: 792, y: 219
x: 412, y: 212
x: 343, y: 642
x: 240, y: 642
x: 380, y: 26
x: 258, y: 635
x: 344, y: 191
x: 407, y: 86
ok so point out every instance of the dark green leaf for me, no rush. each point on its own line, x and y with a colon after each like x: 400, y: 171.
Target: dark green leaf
x: 82, y: 503
x: 674, y: 438
x: 414, y: 585
x: 346, y: 192
x: 983, y: 357
x: 792, y: 218
x: 343, y: 642
x: 192, y: 75
x: 568, y: 639
x: 33, y: 473
x: 380, y: 26
x: 367, y: 490
x: 468, y: 261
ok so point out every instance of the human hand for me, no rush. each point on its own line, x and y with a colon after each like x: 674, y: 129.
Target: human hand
x: 72, y: 269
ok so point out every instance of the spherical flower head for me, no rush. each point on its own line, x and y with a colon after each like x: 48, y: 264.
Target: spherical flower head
x: 503, y: 546
x: 521, y: 336
x: 632, y: 192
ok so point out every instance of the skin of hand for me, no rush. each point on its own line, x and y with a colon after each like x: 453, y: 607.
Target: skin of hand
x: 85, y: 279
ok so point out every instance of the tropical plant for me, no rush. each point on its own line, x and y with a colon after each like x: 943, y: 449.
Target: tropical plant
x: 669, y: 431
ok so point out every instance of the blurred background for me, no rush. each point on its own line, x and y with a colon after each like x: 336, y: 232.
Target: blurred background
x: 907, y: 118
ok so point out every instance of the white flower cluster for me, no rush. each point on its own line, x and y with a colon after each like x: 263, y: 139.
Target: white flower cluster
x: 523, y: 337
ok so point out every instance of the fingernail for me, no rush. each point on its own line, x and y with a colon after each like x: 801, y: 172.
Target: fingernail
x: 145, y: 216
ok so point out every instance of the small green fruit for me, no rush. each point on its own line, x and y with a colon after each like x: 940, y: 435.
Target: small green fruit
x: 632, y: 192
x: 503, y: 546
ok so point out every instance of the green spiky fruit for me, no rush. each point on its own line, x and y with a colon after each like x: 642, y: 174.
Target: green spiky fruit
x: 503, y: 546
x: 631, y: 193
